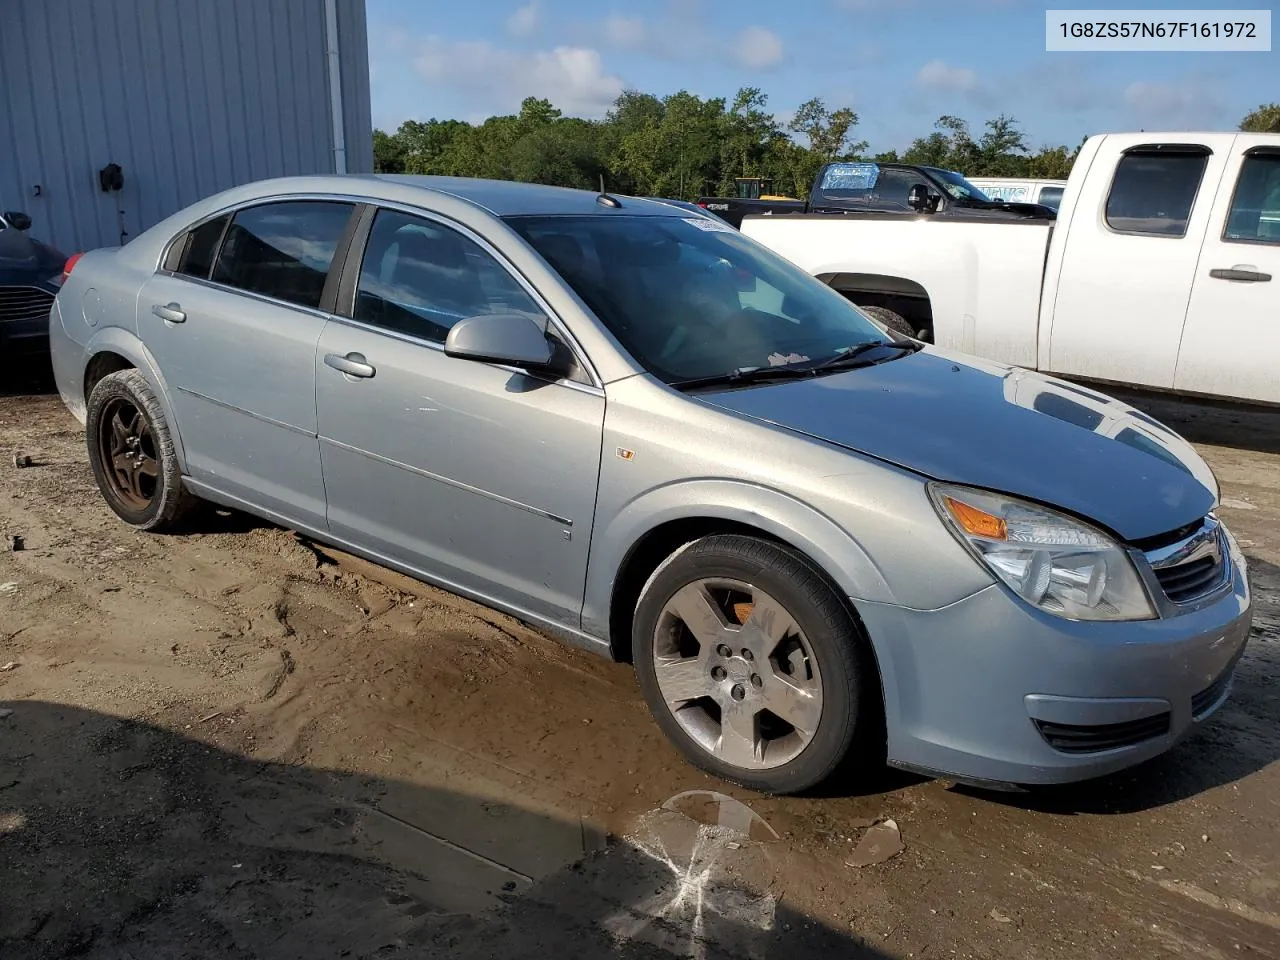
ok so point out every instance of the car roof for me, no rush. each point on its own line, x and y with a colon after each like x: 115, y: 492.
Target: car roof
x: 508, y: 198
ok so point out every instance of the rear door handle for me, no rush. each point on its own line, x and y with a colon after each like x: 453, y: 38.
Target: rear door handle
x: 353, y: 364
x: 1238, y: 274
x: 169, y: 312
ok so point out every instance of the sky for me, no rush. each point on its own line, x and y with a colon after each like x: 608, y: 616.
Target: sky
x: 899, y: 63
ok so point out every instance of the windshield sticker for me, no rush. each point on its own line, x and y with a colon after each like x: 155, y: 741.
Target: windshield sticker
x: 709, y: 224
x: 851, y: 176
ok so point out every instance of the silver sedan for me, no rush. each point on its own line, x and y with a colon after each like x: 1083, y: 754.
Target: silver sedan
x: 627, y: 424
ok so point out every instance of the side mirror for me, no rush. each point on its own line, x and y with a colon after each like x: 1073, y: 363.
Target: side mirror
x: 918, y: 199
x: 17, y: 220
x: 511, y: 339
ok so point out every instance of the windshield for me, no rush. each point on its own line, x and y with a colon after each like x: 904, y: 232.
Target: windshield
x: 958, y: 186
x: 692, y: 297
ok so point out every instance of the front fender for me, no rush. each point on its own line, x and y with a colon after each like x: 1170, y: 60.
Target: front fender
x: 125, y: 343
x: 778, y: 514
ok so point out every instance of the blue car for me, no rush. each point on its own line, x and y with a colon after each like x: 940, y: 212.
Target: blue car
x: 30, y: 276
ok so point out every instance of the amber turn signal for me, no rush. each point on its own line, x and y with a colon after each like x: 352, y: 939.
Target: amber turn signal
x: 977, y: 523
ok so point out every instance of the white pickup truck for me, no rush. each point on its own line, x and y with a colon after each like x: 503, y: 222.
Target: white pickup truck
x: 1162, y: 269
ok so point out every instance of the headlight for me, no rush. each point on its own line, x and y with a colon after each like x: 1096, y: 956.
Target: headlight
x: 1055, y: 562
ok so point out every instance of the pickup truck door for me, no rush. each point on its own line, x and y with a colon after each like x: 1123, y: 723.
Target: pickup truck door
x: 1129, y: 259
x: 1231, y: 344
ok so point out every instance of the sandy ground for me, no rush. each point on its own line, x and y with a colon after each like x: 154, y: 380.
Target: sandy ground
x: 227, y: 745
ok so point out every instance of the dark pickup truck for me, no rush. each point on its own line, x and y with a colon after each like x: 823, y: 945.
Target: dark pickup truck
x: 853, y: 187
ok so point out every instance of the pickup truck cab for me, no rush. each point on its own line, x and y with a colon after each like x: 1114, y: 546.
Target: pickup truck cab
x: 878, y: 189
x: 1158, y: 272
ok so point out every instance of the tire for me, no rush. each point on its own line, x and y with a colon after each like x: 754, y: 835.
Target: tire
x: 124, y: 424
x: 896, y: 322
x: 696, y: 696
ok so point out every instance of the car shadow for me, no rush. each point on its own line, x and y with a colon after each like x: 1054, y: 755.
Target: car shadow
x: 216, y: 520
x: 27, y: 377
x: 1239, y: 740
x: 120, y: 838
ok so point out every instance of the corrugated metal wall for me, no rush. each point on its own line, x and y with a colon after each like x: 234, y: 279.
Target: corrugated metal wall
x: 189, y: 97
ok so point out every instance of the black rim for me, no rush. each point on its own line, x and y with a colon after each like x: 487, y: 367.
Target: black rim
x: 128, y: 453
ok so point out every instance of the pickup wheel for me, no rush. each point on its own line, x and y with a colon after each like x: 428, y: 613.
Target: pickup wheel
x: 751, y: 664
x: 896, y: 322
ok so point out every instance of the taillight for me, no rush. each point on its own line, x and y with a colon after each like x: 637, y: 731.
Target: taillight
x: 703, y: 206
x: 70, y: 265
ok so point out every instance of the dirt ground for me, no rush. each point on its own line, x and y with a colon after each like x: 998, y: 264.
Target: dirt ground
x: 226, y: 744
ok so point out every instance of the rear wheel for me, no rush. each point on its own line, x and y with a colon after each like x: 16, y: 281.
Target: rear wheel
x: 132, y: 455
x: 751, y: 664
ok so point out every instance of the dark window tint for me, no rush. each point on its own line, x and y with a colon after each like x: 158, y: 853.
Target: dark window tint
x: 878, y: 187
x: 692, y: 297
x: 1255, y: 207
x: 419, y: 278
x: 1153, y: 192
x: 283, y: 250
x: 1051, y: 196
x: 1062, y: 408
x: 201, y: 247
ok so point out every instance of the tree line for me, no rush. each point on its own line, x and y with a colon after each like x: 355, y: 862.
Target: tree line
x: 684, y: 146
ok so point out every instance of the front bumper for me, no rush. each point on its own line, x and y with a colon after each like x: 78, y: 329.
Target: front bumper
x: 24, y: 319
x: 980, y: 689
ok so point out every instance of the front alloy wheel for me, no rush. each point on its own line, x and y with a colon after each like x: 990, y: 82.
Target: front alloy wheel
x: 737, y: 673
x: 752, y: 665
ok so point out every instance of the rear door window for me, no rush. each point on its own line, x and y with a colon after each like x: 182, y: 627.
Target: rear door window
x: 1255, y: 205
x: 283, y: 250
x: 1153, y: 191
x: 200, y: 247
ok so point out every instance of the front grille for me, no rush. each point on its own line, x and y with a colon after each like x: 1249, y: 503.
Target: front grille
x: 1094, y: 738
x: 1212, y: 695
x: 1195, y: 566
x: 1188, y: 581
x: 24, y: 303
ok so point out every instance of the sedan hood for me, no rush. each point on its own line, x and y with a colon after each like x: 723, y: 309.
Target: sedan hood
x: 964, y: 420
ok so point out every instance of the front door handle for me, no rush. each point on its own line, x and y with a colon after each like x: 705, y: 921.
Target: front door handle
x: 353, y: 364
x: 169, y: 312
x: 1240, y: 274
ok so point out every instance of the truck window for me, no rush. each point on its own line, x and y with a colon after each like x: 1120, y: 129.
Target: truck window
x: 1051, y: 197
x: 1255, y: 207
x: 1153, y: 193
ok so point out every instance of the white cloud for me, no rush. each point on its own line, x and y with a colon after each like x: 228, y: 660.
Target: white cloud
x: 757, y: 48
x: 496, y: 79
x: 626, y: 32
x: 524, y: 22
x: 1185, y: 105
x: 936, y: 75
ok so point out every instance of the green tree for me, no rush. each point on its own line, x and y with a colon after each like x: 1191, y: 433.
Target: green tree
x: 683, y: 145
x: 1002, y: 150
x: 388, y: 153
x: 1051, y: 163
x: 748, y: 132
x: 1266, y: 119
x: 829, y: 135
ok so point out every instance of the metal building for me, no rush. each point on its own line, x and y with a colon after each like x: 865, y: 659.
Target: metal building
x: 116, y: 113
